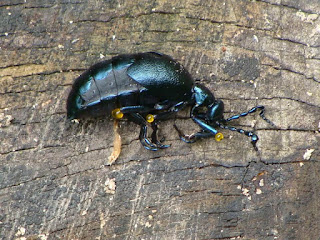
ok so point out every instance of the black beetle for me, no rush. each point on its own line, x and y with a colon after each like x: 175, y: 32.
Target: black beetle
x: 146, y: 88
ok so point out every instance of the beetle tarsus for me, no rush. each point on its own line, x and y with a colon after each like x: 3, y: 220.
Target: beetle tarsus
x: 182, y: 136
x: 154, y: 144
x: 154, y: 137
x: 145, y: 141
x: 192, y: 137
x: 254, y: 144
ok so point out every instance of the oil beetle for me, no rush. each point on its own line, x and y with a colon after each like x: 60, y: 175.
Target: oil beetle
x: 147, y: 88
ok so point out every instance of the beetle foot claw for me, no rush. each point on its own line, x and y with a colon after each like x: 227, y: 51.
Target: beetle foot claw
x: 162, y: 146
x: 148, y: 145
x: 186, y: 138
x: 159, y: 144
x: 154, y: 138
x: 153, y: 145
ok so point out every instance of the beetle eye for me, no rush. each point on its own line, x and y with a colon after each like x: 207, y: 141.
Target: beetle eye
x: 116, y: 113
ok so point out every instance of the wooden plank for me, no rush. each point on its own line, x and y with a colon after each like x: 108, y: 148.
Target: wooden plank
x: 54, y: 178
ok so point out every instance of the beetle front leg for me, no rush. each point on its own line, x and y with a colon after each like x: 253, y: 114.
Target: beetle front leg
x: 207, y: 131
x: 192, y: 137
x: 207, y: 128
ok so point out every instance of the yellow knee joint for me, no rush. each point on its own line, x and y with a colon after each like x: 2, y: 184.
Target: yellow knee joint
x: 218, y: 137
x: 116, y: 113
x: 149, y: 118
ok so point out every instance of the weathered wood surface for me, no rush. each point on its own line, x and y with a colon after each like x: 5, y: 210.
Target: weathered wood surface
x: 54, y: 182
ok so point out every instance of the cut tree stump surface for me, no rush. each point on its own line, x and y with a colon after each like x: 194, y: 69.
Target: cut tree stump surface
x: 54, y: 181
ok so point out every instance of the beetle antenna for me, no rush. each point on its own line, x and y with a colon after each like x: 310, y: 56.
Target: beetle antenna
x: 252, y: 110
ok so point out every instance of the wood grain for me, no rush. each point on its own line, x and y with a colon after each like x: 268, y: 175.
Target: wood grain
x: 54, y: 178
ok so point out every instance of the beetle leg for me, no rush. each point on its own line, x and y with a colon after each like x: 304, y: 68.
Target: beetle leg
x: 205, y: 126
x: 252, y: 110
x: 137, y: 118
x: 192, y: 137
x: 144, y: 140
x: 207, y: 130
x: 164, y: 115
x: 154, y: 137
x: 154, y: 146
x: 135, y: 109
x: 183, y: 137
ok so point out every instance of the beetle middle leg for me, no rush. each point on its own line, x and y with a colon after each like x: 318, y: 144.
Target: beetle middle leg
x: 155, y: 144
x: 145, y: 141
x: 134, y: 114
x: 206, y: 131
x: 137, y: 118
x: 152, y: 145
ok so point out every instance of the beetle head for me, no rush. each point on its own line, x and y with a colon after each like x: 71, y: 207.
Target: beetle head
x: 205, y: 98
x: 215, y: 111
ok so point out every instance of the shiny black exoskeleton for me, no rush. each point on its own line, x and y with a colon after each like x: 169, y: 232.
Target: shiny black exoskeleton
x: 147, y: 88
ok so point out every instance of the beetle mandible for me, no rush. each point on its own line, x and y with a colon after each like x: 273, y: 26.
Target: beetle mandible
x: 147, y: 88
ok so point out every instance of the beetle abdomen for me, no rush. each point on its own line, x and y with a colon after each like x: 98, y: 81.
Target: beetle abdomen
x: 97, y: 90
x: 127, y: 80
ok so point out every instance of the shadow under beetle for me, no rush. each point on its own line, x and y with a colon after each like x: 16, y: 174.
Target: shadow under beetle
x: 147, y: 88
